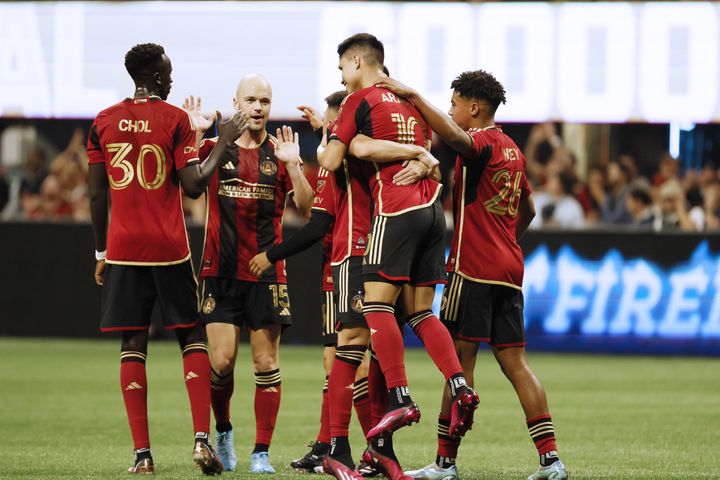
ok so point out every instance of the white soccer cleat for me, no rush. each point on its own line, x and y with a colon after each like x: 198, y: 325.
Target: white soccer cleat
x: 225, y: 448
x: 433, y: 472
x: 556, y: 471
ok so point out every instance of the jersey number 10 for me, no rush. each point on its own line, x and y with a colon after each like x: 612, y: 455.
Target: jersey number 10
x: 497, y: 204
x: 119, y: 160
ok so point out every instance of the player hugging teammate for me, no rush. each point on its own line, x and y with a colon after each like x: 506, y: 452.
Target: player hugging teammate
x: 376, y: 204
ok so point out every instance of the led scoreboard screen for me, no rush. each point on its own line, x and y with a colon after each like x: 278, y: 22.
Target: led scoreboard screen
x: 621, y: 293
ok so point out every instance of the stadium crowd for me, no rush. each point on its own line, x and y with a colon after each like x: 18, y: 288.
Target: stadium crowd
x: 49, y: 186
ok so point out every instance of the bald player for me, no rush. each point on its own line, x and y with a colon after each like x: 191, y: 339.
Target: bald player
x: 246, y: 201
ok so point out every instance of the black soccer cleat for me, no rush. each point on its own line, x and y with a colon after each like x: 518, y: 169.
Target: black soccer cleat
x: 312, y: 461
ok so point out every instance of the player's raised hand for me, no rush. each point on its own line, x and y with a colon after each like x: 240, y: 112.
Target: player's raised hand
x: 231, y: 130
x: 396, y: 87
x: 259, y: 264
x: 312, y: 116
x: 288, y: 148
x: 100, y: 272
x: 413, y: 172
x: 193, y: 107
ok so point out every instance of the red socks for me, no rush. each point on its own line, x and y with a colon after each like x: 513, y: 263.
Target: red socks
x: 324, y: 433
x: 267, y: 404
x: 196, y: 367
x: 542, y: 433
x: 361, y: 401
x: 341, y: 387
x: 447, y: 446
x: 220, y: 394
x: 377, y: 390
x: 133, y: 382
x: 437, y: 341
x: 387, y: 342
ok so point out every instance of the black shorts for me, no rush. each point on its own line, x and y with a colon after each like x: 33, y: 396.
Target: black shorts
x: 483, y: 312
x: 349, y: 292
x: 129, y: 294
x: 329, y: 334
x: 252, y: 304
x: 407, y: 248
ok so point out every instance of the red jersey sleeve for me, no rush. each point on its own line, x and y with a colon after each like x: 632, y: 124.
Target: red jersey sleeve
x: 324, y: 200
x: 346, y: 124
x: 480, y: 140
x: 206, y: 146
x: 94, y: 149
x: 184, y: 142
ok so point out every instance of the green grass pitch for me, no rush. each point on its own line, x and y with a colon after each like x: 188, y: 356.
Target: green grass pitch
x: 61, y: 414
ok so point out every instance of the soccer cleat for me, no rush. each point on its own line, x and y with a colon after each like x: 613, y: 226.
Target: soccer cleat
x: 367, y: 470
x: 339, y: 470
x: 225, y: 448
x: 433, y: 472
x: 462, y: 411
x: 386, y: 465
x: 394, y: 420
x: 204, y: 457
x: 260, y: 463
x: 311, y: 462
x: 555, y: 471
x: 144, y: 466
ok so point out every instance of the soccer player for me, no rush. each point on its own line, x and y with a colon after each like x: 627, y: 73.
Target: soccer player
x: 319, y: 227
x: 483, y: 301
x: 138, y: 149
x: 406, y: 247
x: 246, y: 202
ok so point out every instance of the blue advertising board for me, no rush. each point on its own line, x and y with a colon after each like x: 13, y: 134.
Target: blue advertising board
x: 641, y: 293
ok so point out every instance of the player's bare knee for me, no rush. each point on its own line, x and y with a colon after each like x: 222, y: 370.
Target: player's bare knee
x: 265, y: 361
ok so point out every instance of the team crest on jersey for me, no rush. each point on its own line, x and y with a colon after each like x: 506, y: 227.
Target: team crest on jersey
x: 268, y: 167
x: 320, y: 185
x: 208, y: 305
x: 357, y: 303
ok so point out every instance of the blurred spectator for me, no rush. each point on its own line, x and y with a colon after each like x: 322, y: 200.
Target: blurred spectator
x: 711, y: 197
x: 668, y: 169
x: 613, y: 208
x: 32, y: 180
x: 673, y: 213
x: 557, y: 207
x: 52, y: 204
x: 70, y: 168
x: 639, y: 205
x: 4, y: 189
x: 591, y: 195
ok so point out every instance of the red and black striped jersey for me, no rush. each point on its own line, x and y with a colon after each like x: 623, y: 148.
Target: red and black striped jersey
x: 379, y: 114
x: 353, y: 210
x: 324, y: 201
x: 143, y: 142
x: 488, y: 186
x: 246, y: 202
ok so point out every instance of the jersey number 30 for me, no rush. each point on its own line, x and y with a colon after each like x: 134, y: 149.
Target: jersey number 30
x: 120, y: 160
x: 497, y: 204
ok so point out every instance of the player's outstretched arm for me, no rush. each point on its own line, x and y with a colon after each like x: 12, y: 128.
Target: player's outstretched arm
x: 437, y: 120
x: 193, y: 107
x: 526, y: 212
x: 288, y: 152
x: 98, y: 188
x: 196, y: 177
x: 303, y: 239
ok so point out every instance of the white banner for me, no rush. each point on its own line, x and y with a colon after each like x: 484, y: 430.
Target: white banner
x: 579, y: 62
